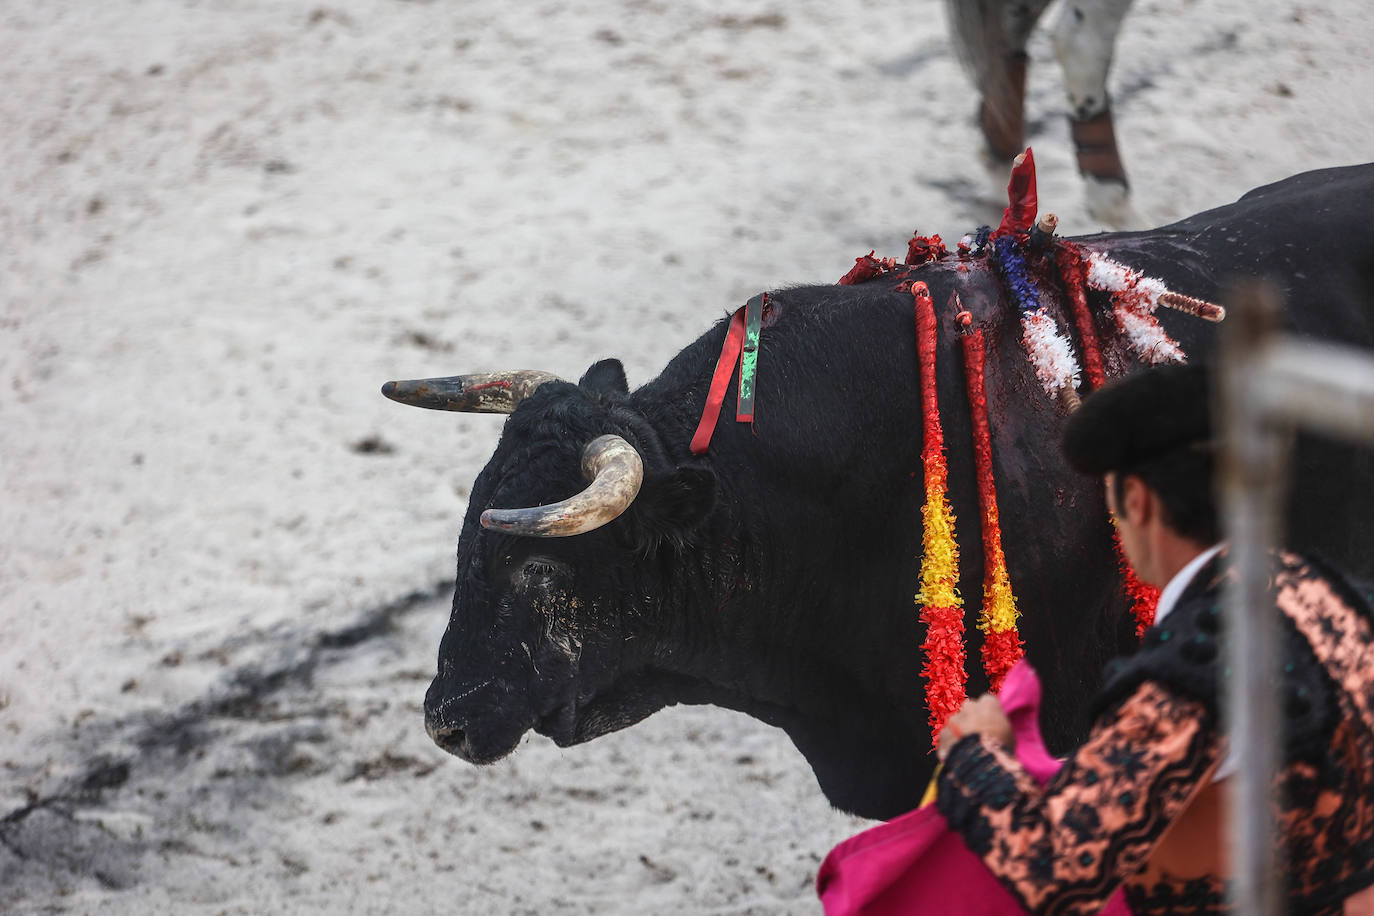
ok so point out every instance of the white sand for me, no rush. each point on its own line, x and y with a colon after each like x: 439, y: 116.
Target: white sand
x: 226, y: 222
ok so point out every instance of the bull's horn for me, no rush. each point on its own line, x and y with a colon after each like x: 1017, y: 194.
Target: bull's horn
x: 615, y: 471
x: 482, y: 392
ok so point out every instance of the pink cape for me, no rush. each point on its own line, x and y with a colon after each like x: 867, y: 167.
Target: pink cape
x: 916, y: 865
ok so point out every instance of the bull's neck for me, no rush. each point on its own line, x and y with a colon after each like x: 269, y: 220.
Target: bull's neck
x: 780, y: 631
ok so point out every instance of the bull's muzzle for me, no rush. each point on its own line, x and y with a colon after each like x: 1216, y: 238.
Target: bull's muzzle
x: 480, y: 723
x: 444, y: 721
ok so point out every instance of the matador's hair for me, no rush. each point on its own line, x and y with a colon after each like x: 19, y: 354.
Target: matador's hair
x: 1155, y: 425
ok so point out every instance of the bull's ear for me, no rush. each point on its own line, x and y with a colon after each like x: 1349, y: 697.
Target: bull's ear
x: 670, y: 508
x: 606, y: 375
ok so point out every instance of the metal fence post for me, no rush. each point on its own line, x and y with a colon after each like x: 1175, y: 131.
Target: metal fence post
x: 1266, y: 386
x: 1250, y: 467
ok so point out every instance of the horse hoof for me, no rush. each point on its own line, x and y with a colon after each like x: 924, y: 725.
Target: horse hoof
x: 1109, y: 202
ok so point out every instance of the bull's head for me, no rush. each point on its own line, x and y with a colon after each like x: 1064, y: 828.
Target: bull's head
x: 552, y: 622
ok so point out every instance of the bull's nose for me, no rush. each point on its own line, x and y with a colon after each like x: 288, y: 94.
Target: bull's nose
x: 445, y: 720
x: 449, y: 737
x: 471, y: 721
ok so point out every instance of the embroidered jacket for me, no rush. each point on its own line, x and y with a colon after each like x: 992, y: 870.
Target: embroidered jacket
x: 1148, y: 763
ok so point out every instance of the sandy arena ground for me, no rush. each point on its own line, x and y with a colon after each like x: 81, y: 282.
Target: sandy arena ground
x: 226, y: 559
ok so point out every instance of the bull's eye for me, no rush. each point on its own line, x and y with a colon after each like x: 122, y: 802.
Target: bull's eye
x: 543, y: 573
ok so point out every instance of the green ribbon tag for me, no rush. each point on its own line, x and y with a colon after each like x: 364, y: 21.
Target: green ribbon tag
x: 749, y: 357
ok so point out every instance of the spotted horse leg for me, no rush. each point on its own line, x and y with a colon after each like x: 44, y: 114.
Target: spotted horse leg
x: 1084, y: 39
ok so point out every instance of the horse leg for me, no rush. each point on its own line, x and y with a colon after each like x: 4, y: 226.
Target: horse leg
x: 992, y: 36
x: 1084, y: 40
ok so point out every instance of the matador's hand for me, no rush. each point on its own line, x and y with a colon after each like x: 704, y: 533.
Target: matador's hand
x: 983, y: 715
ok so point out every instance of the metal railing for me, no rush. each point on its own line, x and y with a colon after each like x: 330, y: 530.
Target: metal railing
x: 1267, y: 385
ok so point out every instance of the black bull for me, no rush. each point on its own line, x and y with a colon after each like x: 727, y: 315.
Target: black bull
x: 775, y: 574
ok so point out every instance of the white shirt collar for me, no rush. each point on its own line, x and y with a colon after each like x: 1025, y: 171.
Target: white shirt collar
x: 1174, y: 590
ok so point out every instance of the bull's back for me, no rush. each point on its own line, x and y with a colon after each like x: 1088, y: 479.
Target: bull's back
x: 1310, y: 236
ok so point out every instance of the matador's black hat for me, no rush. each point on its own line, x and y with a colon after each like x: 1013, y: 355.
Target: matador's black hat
x: 1139, y: 419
